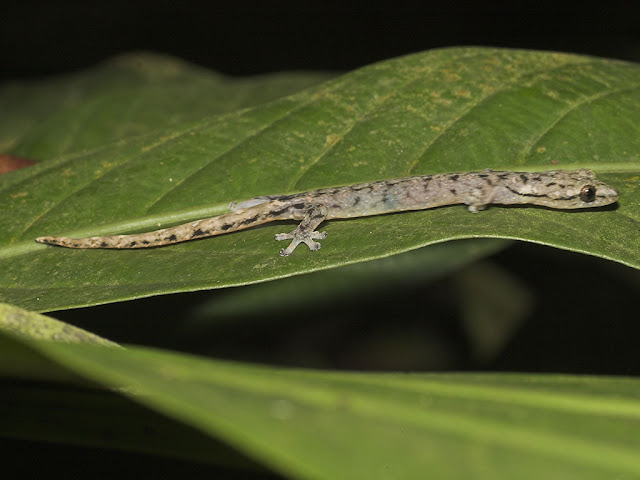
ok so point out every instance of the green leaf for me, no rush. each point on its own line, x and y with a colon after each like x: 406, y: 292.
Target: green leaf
x: 446, y: 110
x: 318, y: 425
x: 68, y: 415
x: 129, y: 95
x: 17, y: 320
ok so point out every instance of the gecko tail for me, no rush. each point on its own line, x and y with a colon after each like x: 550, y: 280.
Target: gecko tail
x: 145, y: 240
x: 90, y: 242
x: 60, y: 241
x: 208, y: 227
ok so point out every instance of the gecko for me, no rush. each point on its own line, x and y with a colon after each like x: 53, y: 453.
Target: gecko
x: 557, y: 189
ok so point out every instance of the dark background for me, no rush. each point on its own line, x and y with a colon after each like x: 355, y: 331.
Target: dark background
x: 247, y: 37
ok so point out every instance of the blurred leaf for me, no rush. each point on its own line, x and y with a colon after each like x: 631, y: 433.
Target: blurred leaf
x: 18, y: 360
x: 71, y: 415
x: 396, y: 272
x: 129, y: 95
x: 317, y: 425
x: 456, y: 109
x: 494, y: 304
x: 17, y: 320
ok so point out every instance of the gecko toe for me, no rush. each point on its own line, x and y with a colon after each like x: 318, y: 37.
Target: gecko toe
x: 297, y: 238
x: 313, y: 246
x: 285, y: 236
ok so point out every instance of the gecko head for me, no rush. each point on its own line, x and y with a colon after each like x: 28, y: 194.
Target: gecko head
x: 570, y: 189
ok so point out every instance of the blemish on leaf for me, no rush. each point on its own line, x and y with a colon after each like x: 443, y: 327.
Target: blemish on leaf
x: 9, y: 163
x: 332, y: 139
x: 451, y: 76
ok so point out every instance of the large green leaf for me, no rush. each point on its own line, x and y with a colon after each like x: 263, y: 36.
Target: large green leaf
x: 319, y: 425
x: 440, y: 111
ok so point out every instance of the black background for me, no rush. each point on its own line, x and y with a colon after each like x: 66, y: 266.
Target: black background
x: 247, y: 37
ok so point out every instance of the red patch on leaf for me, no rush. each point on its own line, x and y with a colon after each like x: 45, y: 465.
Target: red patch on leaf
x: 11, y: 162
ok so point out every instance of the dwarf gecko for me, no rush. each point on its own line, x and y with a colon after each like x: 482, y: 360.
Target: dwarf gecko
x: 561, y: 189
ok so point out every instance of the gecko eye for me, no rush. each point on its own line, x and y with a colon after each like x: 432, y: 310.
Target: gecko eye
x: 588, y: 193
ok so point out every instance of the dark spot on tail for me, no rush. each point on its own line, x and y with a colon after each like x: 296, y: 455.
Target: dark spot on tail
x: 276, y: 213
x: 199, y: 233
x: 103, y: 244
x: 171, y: 238
x: 251, y: 220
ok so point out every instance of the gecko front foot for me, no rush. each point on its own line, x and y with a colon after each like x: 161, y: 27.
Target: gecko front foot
x: 299, y: 237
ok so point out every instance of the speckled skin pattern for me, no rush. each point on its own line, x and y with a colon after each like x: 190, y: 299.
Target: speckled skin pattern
x: 561, y: 189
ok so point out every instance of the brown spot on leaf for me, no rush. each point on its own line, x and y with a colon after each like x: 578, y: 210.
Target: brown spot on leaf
x: 8, y: 163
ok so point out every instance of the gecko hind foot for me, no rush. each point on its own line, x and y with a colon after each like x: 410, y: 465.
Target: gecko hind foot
x: 297, y: 238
